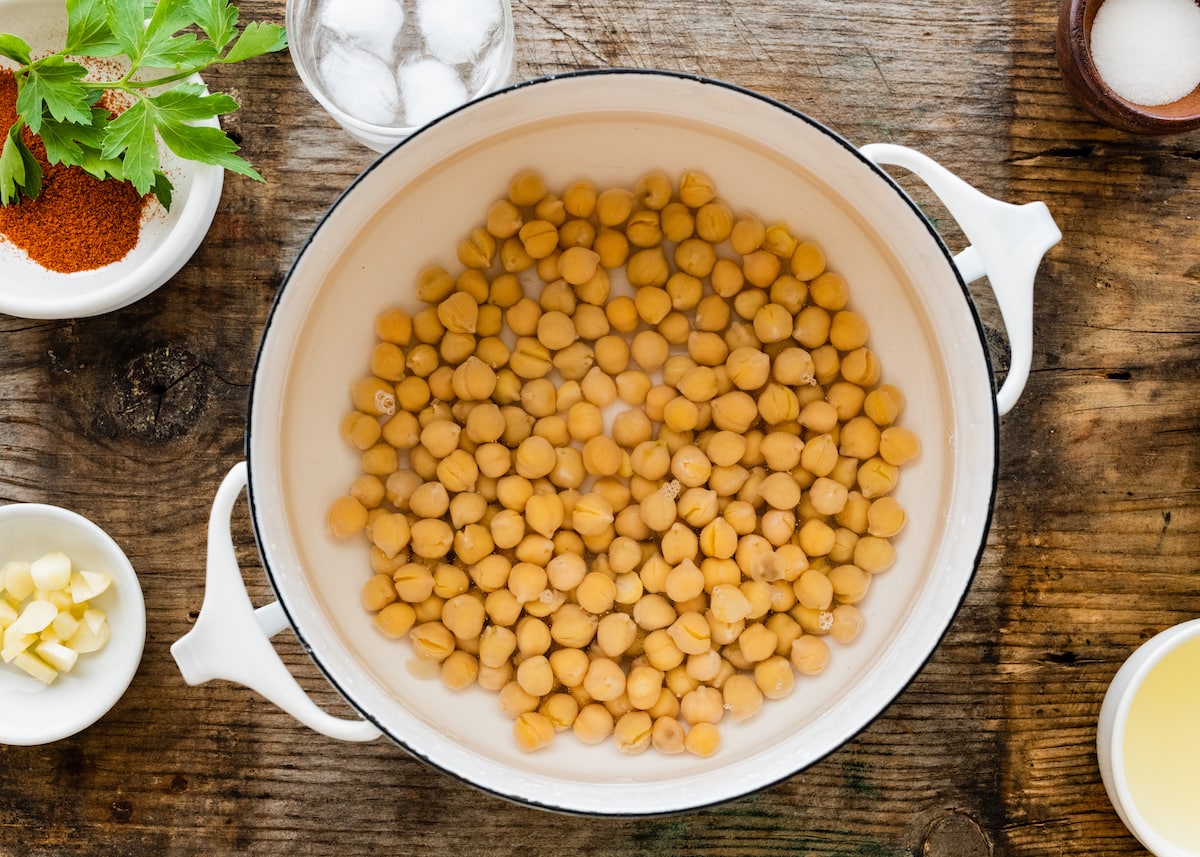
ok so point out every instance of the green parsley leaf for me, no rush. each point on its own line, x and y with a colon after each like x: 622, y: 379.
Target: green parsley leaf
x: 166, y: 43
x: 65, y: 141
x: 92, y: 162
x: 56, y: 85
x: 256, y: 40
x: 218, y: 19
x: 15, y: 49
x: 127, y: 20
x: 88, y: 31
x: 176, y: 110
x: 163, y: 189
x: 131, y: 137
x: 165, y: 47
x: 20, y: 173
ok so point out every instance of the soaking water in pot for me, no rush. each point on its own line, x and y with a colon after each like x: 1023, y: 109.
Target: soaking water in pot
x: 402, y: 63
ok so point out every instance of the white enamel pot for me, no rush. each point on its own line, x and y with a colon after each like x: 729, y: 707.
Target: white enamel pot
x: 409, y: 210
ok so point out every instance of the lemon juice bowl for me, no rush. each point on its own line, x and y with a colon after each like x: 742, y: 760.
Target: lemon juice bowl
x: 411, y: 208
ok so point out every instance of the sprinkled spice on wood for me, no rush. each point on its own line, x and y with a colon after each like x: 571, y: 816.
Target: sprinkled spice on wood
x: 77, y: 223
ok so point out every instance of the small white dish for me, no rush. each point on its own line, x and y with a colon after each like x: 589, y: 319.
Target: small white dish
x: 168, y: 239
x: 35, y: 713
x: 1143, y: 744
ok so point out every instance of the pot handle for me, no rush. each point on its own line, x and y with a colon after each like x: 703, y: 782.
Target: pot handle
x: 231, y: 640
x: 1007, y: 244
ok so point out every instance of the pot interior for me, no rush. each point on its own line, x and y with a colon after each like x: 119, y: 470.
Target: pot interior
x: 410, y: 210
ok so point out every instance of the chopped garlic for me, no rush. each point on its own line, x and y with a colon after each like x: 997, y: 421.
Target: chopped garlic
x: 51, y: 571
x: 46, y: 614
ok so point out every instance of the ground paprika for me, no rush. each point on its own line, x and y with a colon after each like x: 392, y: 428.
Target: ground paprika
x: 77, y: 222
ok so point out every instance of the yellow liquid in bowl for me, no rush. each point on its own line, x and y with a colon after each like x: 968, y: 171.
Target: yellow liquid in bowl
x: 1162, y: 747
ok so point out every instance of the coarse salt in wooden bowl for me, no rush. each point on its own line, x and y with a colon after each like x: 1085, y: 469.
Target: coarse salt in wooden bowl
x: 1087, y: 86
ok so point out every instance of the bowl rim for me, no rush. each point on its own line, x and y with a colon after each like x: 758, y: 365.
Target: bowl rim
x: 258, y: 512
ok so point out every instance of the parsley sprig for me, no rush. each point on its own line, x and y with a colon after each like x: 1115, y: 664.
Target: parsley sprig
x: 165, y: 43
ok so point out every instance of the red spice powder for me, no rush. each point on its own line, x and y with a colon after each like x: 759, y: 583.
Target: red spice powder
x: 77, y: 223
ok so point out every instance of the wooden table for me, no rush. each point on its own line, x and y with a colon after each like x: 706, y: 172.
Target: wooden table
x: 132, y: 418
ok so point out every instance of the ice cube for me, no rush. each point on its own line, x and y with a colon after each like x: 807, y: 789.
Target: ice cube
x: 372, y: 25
x: 455, y: 31
x: 360, y: 83
x: 429, y: 88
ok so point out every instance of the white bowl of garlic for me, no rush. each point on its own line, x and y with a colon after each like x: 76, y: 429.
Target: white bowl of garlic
x: 72, y: 620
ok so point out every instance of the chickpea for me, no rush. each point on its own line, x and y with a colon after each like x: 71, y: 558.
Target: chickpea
x: 874, y: 554
x: 533, y: 731
x: 691, y: 633
x: 431, y: 538
x: 727, y: 279
x: 602, y: 456
x: 578, y: 264
x: 774, y: 677
x: 884, y: 404
x: 649, y: 350
x: 810, y: 654
x: 605, y: 680
x: 748, y: 303
x: 614, y: 205
x: 598, y: 388
x: 859, y: 438
x: 593, y: 724
x: 347, y: 517
x: 458, y: 471
x: 695, y: 257
x: 569, y: 665
x: 556, y: 330
x: 612, y: 246
x: 590, y: 321
x: 394, y: 325
x: 898, y: 445
x: 615, y: 634
x: 877, y: 477
x: 395, y: 619
x: 773, y: 323
x: 432, y: 641
x: 633, y: 386
x: 612, y: 354
x: 632, y: 732
x: 734, y: 411
x: 848, y: 622
x: 861, y: 367
x: 560, y: 709
x: 660, y: 650
x: 728, y: 603
x: 829, y: 291
x: 631, y: 428
x: 780, y: 491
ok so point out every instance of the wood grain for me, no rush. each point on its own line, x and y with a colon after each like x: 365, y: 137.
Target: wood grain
x: 132, y: 419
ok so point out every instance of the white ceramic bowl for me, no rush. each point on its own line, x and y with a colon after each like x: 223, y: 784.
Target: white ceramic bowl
x: 34, y: 713
x: 1112, y: 733
x: 410, y: 209
x: 168, y: 239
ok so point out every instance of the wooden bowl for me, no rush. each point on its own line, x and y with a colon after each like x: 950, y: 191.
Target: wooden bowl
x: 1073, y: 45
